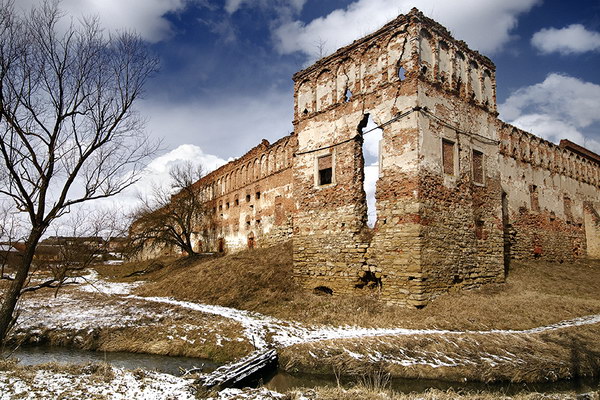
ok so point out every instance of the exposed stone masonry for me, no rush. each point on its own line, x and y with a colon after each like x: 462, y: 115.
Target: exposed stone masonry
x: 250, y: 199
x: 459, y: 194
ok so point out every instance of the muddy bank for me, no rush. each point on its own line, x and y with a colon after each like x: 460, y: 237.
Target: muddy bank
x: 569, y: 353
x: 100, y: 322
x: 107, y: 317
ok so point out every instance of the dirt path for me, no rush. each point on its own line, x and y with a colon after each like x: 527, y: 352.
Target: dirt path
x: 257, y: 327
x: 264, y: 331
x: 97, y: 304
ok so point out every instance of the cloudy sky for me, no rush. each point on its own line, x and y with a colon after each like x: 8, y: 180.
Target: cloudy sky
x: 226, y: 65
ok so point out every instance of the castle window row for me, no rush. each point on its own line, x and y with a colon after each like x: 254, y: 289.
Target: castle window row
x: 447, y: 65
x: 371, y: 66
x: 248, y: 172
x: 449, y: 161
x: 527, y: 148
x: 362, y: 72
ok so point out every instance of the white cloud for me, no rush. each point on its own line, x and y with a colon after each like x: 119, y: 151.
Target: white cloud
x: 370, y: 183
x: 280, y: 6
x: 227, y: 124
x: 573, y: 39
x: 560, y: 107
x: 484, y: 25
x: 157, y: 171
x: 156, y: 175
x: 146, y: 17
x: 553, y: 129
x: 371, y: 160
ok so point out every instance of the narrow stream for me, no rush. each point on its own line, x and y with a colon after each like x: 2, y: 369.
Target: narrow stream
x: 33, y: 355
x: 279, y: 380
x: 282, y: 382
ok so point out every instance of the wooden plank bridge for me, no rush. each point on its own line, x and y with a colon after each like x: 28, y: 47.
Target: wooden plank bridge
x: 236, y: 373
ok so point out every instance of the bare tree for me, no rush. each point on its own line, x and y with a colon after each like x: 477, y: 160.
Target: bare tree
x: 67, y: 128
x: 173, y: 220
x: 320, y: 48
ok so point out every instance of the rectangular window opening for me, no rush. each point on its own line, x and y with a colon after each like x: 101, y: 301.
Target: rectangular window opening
x: 448, y: 156
x: 477, y: 161
x: 257, y: 195
x: 325, y: 167
x: 533, y: 194
x: 568, y: 209
x: 479, y: 233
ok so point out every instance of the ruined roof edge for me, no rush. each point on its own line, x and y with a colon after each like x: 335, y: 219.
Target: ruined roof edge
x: 414, y: 14
x: 581, y: 150
x: 264, y: 143
x: 564, y: 144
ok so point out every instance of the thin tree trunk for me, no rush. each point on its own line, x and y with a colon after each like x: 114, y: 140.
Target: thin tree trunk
x: 13, y: 293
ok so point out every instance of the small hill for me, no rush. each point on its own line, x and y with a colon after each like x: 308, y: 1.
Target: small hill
x: 253, y: 279
x: 535, y: 294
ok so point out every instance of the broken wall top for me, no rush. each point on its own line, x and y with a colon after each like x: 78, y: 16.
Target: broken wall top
x: 398, y: 24
x: 411, y: 47
x: 260, y: 161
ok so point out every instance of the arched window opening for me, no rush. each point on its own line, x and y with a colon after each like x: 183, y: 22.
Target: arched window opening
x: 401, y: 73
x: 347, y: 95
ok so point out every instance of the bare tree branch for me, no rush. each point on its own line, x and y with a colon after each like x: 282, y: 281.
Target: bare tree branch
x: 174, y: 220
x: 68, y: 132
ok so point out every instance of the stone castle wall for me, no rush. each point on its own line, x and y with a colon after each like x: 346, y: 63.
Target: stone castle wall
x: 249, y: 201
x: 333, y: 100
x: 251, y: 198
x: 425, y: 239
x: 552, y: 192
x: 459, y: 193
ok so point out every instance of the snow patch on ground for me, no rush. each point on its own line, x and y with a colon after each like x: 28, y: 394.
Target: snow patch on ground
x: 257, y: 327
x: 254, y: 394
x: 124, y: 309
x: 123, y: 385
x: 93, y: 283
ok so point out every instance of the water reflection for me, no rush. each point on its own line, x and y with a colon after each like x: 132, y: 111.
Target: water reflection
x: 282, y: 381
x: 33, y: 355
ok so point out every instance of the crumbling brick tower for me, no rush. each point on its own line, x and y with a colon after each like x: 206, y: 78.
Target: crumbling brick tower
x: 439, y: 208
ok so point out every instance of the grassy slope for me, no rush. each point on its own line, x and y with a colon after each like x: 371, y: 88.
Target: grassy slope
x: 535, y: 294
x: 253, y: 280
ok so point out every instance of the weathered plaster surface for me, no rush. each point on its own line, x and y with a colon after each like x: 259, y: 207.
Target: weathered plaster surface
x: 503, y: 193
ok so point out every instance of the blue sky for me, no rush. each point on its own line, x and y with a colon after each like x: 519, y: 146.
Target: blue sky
x: 225, y: 81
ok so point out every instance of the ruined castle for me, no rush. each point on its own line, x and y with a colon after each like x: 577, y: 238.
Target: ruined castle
x: 459, y: 193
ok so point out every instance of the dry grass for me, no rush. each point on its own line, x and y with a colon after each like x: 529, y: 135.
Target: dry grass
x: 535, y: 294
x: 543, y: 357
x: 252, y: 280
x: 153, y: 328
x: 99, y: 371
x: 361, y: 393
x: 120, y: 272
